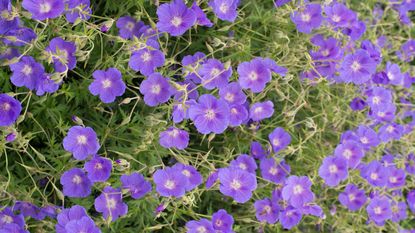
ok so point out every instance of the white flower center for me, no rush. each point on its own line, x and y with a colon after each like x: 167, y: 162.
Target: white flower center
x: 378, y: 210
x: 76, y: 179
x: 390, y: 129
x: 155, y: 89
x: 106, y: 83
x: 333, y: 169
x: 381, y: 114
x: 393, y: 179
x: 229, y: 97
x: 173, y: 133
x: 352, y: 197
x: 201, y: 229
x: 27, y: 70
x: 111, y: 203
x: 6, y: 106
x: 146, y: 56
x: 130, y: 26
x: 275, y: 142
x: 81, y: 139
x: 325, y: 52
x: 374, y: 176
x: 176, y: 21
x: 234, y: 111
x: 242, y: 166
x: 336, y: 18
x: 170, y: 184
x: 305, y: 17
x: 253, y: 76
x: 224, y: 8
x: 273, y: 171
x: 355, y: 66
x: 7, y: 219
x: 210, y: 114
x: 215, y: 72
x: 347, y: 153
x: 98, y: 166
x: 298, y: 189
x: 391, y: 76
x: 235, y: 184
x: 364, y: 140
x: 45, y: 7
x: 258, y: 109
x: 186, y: 173
x: 376, y: 100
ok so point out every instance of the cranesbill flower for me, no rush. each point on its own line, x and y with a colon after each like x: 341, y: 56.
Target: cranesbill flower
x: 181, y: 111
x: 156, y: 90
x: 189, y: 91
x: 261, y: 110
x: 367, y: 137
x: 175, y: 18
x: 76, y: 212
x: 28, y: 209
x: 44, y: 9
x: 81, y: 141
x: 191, y: 64
x: 7, y: 216
x: 26, y: 72
x: 338, y: 15
x: 238, y: 115
x: 203, y: 225
x: 136, y: 184
x: 266, y: 211
x: 351, y: 151
x: 110, y: 204
x: 10, y: 109
x: 333, y: 170
x: 128, y: 27
x: 379, y: 210
x: 378, y: 97
x: 45, y: 84
x: 211, y: 179
x: 297, y: 191
x: 75, y: 183
x: 7, y: 20
x: 410, y: 164
x: 355, y: 30
x: 78, y: 9
x: 170, y: 182
x: 396, y: 178
x: 174, y: 138
x: 374, y: 51
x: 352, y: 197
x: 213, y: 74
x: 237, y: 184
x: 273, y: 171
x: 210, y: 114
x: 201, y: 18
x: 388, y: 160
x: 375, y: 174
x: 390, y: 132
x: 394, y: 74
x: 12, y: 228
x: 225, y: 9
x: 254, y: 75
x: 233, y: 94
x: 107, y: 84
x: 358, y: 67
x: 19, y: 36
x: 146, y: 60
x: 244, y: 162
x: 385, y: 112
x: 290, y: 217
x: 62, y: 53
x: 279, y: 139
x: 9, y: 53
x: 398, y: 211
x: 410, y: 199
x: 191, y: 175
x: 222, y: 221
x: 257, y: 151
x: 307, y: 18
x: 357, y: 104
x: 98, y: 169
x: 85, y: 224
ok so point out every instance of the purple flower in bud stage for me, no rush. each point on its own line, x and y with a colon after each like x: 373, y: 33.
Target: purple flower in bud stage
x: 210, y: 114
x: 333, y: 170
x: 110, y: 204
x: 85, y: 224
x: 379, y: 96
x: 81, y: 142
x: 26, y: 72
x: 98, y: 169
x: 367, y: 137
x: 237, y: 183
x: 279, y: 139
x: 358, y: 67
x: 394, y: 74
x: 174, y: 138
x: 44, y: 9
x: 238, y: 115
x: 78, y: 9
x: 307, y: 18
x: 375, y: 174
x: 385, y: 112
x: 19, y: 36
x: 273, y: 171
x: 10, y: 109
x: 353, y: 198
x: 233, y: 94
x: 222, y: 221
x: 225, y: 9
x: 203, y: 225
x: 266, y: 211
x: 212, y: 178
x: 297, y: 191
x: 7, y: 20
x: 201, y: 18
x: 357, y: 104
x: 338, y: 15
x: 396, y: 178
x: 244, y: 162
x: 290, y: 217
x: 156, y: 90
x: 351, y: 151
x: 74, y: 213
x: 261, y: 110
x: 214, y: 74
x: 7, y: 216
x: 136, y: 184
x: 410, y: 164
x: 63, y: 54
x: 254, y: 75
x: 75, y: 183
x: 11, y: 137
x: 257, y: 151
x: 107, y: 84
x: 146, y: 60
x: 390, y: 132
x: 191, y: 175
x: 410, y: 199
x: 128, y: 27
x: 398, y: 211
x: 170, y: 182
x: 175, y: 18
x: 379, y: 210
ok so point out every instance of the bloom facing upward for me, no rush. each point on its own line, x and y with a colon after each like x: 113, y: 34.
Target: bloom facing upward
x: 75, y: 183
x: 233, y: 94
x: 175, y: 18
x: 10, y: 109
x: 201, y: 18
x: 307, y: 18
x: 81, y: 142
x: 261, y: 110
x: 244, y: 162
x: 110, y: 204
x: 78, y: 9
x: 351, y: 151
x: 379, y: 96
x: 379, y: 210
x: 257, y: 151
x: 333, y: 170
x: 174, y: 137
x: 225, y: 9
x: 135, y: 184
x: 26, y: 72
x: 62, y: 53
x: 76, y: 212
x: 156, y: 90
x: 191, y: 175
x: 214, y: 74
x: 290, y: 217
x: 7, y: 20
x: 266, y: 211
x: 128, y: 27
x: 7, y: 216
x: 146, y: 60
x: 98, y: 169
x: 254, y: 75
x: 339, y: 15
x: 375, y: 174
x: 358, y: 67
x: 44, y: 9
x: 353, y: 198
x: 203, y: 225
x: 222, y: 221
x: 107, y: 84
x: 367, y: 137
x: 394, y: 74
x: 170, y: 182
x: 396, y: 178
x: 273, y: 171
x: 297, y: 191
x: 279, y: 139
x: 237, y: 184
x: 85, y: 224
x: 238, y: 115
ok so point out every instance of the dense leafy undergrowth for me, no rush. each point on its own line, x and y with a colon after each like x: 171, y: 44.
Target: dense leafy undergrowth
x: 207, y: 116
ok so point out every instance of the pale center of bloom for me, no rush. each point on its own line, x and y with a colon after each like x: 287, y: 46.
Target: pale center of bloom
x: 390, y: 129
x: 214, y: 72
x: 325, y: 52
x: 7, y: 219
x: 253, y: 76
x: 381, y: 114
x: 377, y: 210
x: 355, y: 66
x: 229, y: 97
x: 186, y: 173
x: 275, y: 142
x: 173, y: 133
x: 352, y: 197
x: 176, y: 21
x: 218, y: 222
x: 267, y: 209
x: 234, y: 111
x: 45, y: 7
x: 27, y: 70
x: 201, y: 229
x: 305, y: 17
x: 347, y: 153
x: 395, y: 209
x: 146, y: 56
x: 210, y: 114
x: 235, y: 184
x: 333, y: 168
x: 6, y: 106
x: 273, y: 171
x: 169, y: 184
x: 130, y: 26
x: 224, y: 7
x: 298, y: 189
x: 376, y: 100
x: 111, y: 203
x: 258, y: 110
x: 364, y: 140
x: 242, y: 166
x: 76, y: 179
x: 391, y: 76
x: 336, y: 18
x: 374, y: 176
x: 155, y: 89
x: 393, y: 179
x: 81, y: 139
x: 98, y: 166
x: 106, y: 83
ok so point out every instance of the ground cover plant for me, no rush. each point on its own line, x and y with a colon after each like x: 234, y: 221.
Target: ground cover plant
x: 207, y: 116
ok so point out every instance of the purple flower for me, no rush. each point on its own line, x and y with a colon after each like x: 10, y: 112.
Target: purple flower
x: 110, y: 204
x: 374, y: 51
x: 81, y: 142
x: 357, y: 104
x: 28, y: 209
x: 174, y: 138
x: 391, y: 131
x: 78, y: 9
x: 212, y: 178
x: 378, y: 97
x: 297, y: 191
x: 156, y: 90
x: 201, y: 18
x: 307, y: 18
x: 181, y: 111
x: 222, y: 221
x: 74, y: 213
x: 355, y: 30
x: 7, y: 216
x: 244, y: 162
x: 266, y: 211
x: 237, y: 184
x: 396, y: 178
x: 98, y: 169
x: 338, y: 15
x: 175, y: 18
x: 290, y: 217
x: 238, y: 115
x: 225, y: 9
x: 273, y: 171
x: 189, y: 91
x: 135, y: 184
x: 128, y: 27
x: 9, y: 53
x: 351, y: 151
x: 358, y: 67
x: 375, y: 174
x: 210, y: 114
x: 192, y: 176
x: 85, y: 224
x: 257, y: 151
x: 353, y: 198
x: 170, y: 182
x: 254, y: 75
x: 75, y: 183
x: 10, y: 109
x: 333, y: 170
x: 384, y: 113
x: 398, y: 211
x: 107, y: 84
x: 146, y: 60
x: 7, y: 19
x: 233, y: 94
x: 279, y: 139
x: 379, y: 210
x: 19, y: 36
x: 261, y: 110
x: 46, y: 85
x: 44, y: 9
x: 410, y: 199
x: 410, y: 164
x: 213, y: 74
x: 26, y: 72
x: 203, y: 225
x: 394, y: 74
x: 12, y: 228
x: 62, y: 53
x: 367, y: 137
